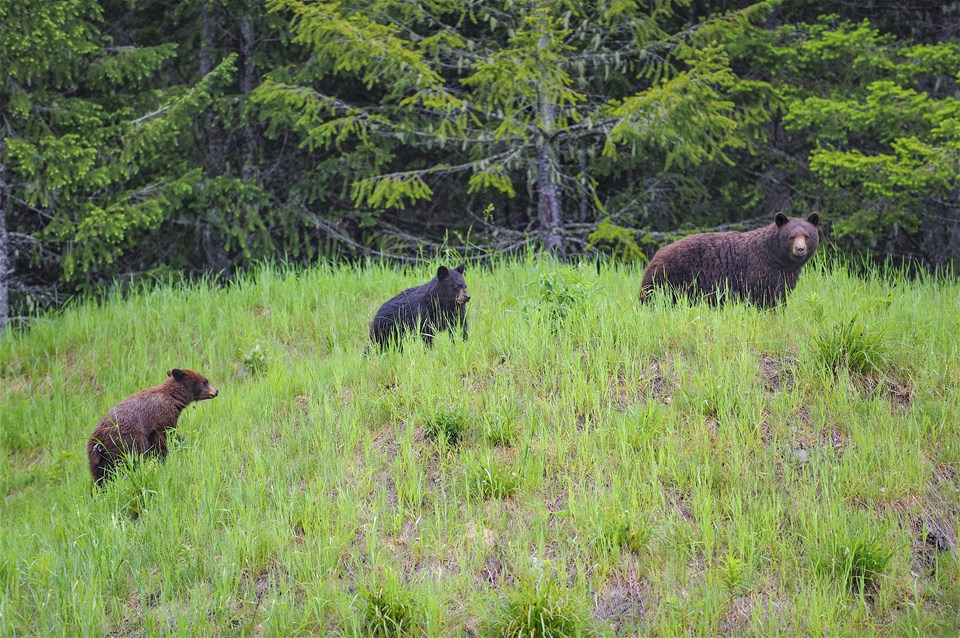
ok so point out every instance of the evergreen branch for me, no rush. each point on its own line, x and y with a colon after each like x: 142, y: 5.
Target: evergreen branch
x: 149, y: 116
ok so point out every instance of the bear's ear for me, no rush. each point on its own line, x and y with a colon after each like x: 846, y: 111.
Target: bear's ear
x: 814, y: 218
x: 178, y: 375
x: 442, y: 272
x: 460, y: 268
x: 780, y: 219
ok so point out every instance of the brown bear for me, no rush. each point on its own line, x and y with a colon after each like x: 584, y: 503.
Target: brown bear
x: 439, y: 304
x: 760, y: 266
x: 139, y: 423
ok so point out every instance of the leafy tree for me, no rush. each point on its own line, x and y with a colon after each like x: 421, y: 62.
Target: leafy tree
x: 410, y: 95
x: 877, y: 126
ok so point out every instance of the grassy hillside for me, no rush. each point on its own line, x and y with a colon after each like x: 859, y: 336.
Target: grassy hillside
x: 584, y: 463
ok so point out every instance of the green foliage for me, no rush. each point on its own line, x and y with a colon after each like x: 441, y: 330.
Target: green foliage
x: 541, y: 605
x: 389, y: 608
x: 560, y: 294
x: 442, y: 93
x: 614, y: 529
x: 864, y: 349
x: 253, y: 361
x: 883, y: 141
x: 488, y: 476
x: 732, y: 574
x: 857, y: 556
x: 102, y: 172
x: 616, y: 241
x: 449, y: 426
x: 306, y: 500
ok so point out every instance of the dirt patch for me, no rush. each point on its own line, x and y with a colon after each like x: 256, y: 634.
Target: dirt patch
x: 932, y: 536
x: 658, y: 385
x: 835, y: 438
x: 935, y: 530
x: 776, y: 374
x: 741, y: 610
x: 618, y: 392
x: 494, y: 572
x: 23, y: 384
x: 900, y: 396
x: 556, y: 507
x: 620, y: 603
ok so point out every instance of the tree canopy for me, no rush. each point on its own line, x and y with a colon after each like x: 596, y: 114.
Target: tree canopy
x: 143, y: 141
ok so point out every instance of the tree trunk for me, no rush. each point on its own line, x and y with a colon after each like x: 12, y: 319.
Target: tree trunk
x: 583, y: 182
x: 5, y: 269
x: 208, y: 36
x: 550, y: 203
x: 248, y: 82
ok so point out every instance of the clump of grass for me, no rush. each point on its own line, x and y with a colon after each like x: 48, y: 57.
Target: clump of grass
x: 448, y: 426
x: 500, y: 430
x: 487, y: 477
x: 614, y: 530
x: 542, y: 606
x: 854, y: 347
x: 131, y: 484
x: 389, y: 608
x: 857, y: 556
x: 643, y: 425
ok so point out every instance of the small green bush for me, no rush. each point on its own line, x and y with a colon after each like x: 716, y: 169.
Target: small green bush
x: 615, y: 241
x: 559, y: 294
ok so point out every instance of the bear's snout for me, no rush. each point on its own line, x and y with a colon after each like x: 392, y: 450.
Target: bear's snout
x: 213, y: 392
x: 463, y: 297
x: 800, y: 247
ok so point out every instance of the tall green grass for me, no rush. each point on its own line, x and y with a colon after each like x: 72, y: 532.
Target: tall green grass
x: 583, y: 465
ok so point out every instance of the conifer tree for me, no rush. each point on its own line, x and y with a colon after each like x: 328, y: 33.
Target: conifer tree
x: 514, y: 96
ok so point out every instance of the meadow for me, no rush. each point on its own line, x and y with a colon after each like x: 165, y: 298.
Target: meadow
x: 583, y: 465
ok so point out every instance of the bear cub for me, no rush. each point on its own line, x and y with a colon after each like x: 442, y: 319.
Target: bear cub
x: 440, y: 304
x: 760, y: 266
x: 139, y: 423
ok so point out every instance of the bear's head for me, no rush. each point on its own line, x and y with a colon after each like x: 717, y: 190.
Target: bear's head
x: 196, y: 385
x: 797, y: 238
x: 451, y: 288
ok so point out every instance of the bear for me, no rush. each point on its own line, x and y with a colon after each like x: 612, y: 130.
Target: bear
x: 440, y: 304
x: 760, y: 266
x: 139, y: 423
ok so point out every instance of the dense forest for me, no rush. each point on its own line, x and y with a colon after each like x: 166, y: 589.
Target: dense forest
x: 143, y: 140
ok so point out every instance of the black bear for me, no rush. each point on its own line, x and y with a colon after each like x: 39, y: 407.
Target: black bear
x: 439, y: 304
x: 761, y: 265
x: 139, y: 423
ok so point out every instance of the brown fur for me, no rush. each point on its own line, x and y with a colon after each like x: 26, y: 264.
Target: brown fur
x: 139, y: 423
x: 760, y: 266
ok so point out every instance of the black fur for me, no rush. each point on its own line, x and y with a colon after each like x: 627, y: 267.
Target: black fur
x: 440, y: 304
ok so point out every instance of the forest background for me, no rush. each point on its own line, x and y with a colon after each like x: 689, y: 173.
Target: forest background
x: 145, y: 140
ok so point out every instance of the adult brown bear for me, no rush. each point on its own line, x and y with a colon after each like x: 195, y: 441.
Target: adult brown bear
x: 760, y: 266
